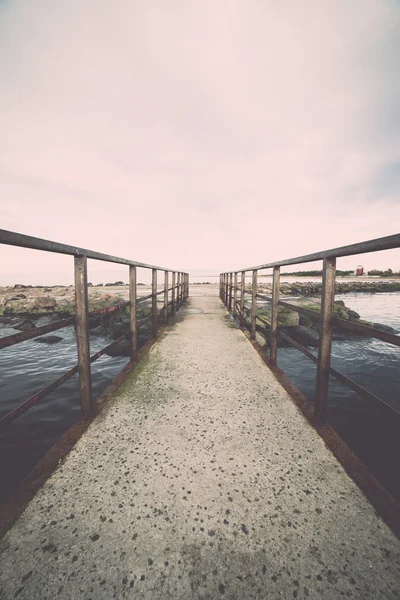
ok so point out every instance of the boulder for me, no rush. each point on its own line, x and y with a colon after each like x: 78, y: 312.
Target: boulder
x: 121, y: 349
x: 119, y: 328
x: 287, y: 317
x: 17, y: 298
x: 303, y: 335
x: 45, y: 302
x: 48, y: 339
x: 25, y: 325
x: 19, y: 286
x: 100, y: 330
x: 353, y: 315
x: 385, y: 328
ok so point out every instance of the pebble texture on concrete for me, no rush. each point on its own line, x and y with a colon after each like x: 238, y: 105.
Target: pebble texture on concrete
x: 201, y: 479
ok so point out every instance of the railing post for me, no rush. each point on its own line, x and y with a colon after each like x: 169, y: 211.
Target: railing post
x: 133, y: 322
x: 178, y: 292
x: 234, y: 293
x: 165, y: 297
x: 173, y: 302
x: 220, y: 285
x: 82, y: 335
x: 253, y: 305
x: 242, y: 295
x: 187, y: 286
x: 274, y: 315
x: 154, y: 324
x: 230, y: 291
x: 226, y: 290
x: 325, y: 342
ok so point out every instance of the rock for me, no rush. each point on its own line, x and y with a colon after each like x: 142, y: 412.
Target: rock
x: 17, y: 297
x: 122, y: 349
x: 339, y: 303
x: 114, y: 284
x: 385, y: 328
x: 100, y: 330
x: 7, y: 320
x: 99, y: 285
x: 25, y: 325
x: 48, y: 339
x: 45, y: 302
x: 303, y: 335
x: 288, y: 317
x: 19, y: 286
x: 353, y: 314
x: 90, y: 284
x: 119, y: 328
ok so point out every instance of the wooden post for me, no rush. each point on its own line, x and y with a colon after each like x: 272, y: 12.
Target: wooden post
x: 220, y: 285
x: 133, y: 322
x: 178, y: 292
x: 234, y: 293
x: 325, y: 342
x: 226, y: 289
x: 165, y: 297
x: 154, y: 324
x: 253, y: 305
x: 173, y: 303
x: 230, y: 291
x: 82, y: 335
x: 242, y: 295
x: 274, y: 315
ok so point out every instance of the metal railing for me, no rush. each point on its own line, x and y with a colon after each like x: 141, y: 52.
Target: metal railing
x: 229, y: 295
x: 179, y: 293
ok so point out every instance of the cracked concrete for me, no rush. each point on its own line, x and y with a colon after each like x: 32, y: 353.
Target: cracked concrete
x: 201, y: 479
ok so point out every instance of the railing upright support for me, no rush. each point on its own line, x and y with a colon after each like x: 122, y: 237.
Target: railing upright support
x: 173, y: 301
x: 82, y: 335
x: 325, y: 343
x: 132, y: 314
x: 274, y: 315
x: 154, y: 324
x: 178, y: 292
x: 230, y: 291
x: 253, y: 305
x: 226, y: 289
x: 234, y: 294
x: 242, y: 295
x: 165, y: 297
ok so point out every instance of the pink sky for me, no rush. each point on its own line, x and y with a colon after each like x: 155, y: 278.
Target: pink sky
x: 199, y: 135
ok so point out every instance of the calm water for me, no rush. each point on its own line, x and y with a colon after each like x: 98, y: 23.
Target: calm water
x: 375, y: 437
x: 369, y: 431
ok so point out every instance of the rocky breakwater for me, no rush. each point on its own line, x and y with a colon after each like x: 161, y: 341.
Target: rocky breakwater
x: 314, y: 288
x: 25, y: 307
x: 306, y: 330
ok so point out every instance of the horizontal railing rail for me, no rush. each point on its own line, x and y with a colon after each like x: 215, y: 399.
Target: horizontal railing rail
x: 83, y: 319
x: 229, y: 288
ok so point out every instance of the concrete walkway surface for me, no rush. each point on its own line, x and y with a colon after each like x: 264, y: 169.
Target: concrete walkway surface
x: 200, y: 480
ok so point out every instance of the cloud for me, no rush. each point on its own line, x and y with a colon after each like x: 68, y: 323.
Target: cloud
x: 202, y: 134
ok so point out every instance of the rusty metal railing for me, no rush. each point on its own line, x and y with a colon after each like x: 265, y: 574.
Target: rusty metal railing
x: 179, y: 293
x: 229, y: 290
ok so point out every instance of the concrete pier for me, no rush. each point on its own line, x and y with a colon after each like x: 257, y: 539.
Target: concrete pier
x: 200, y: 479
